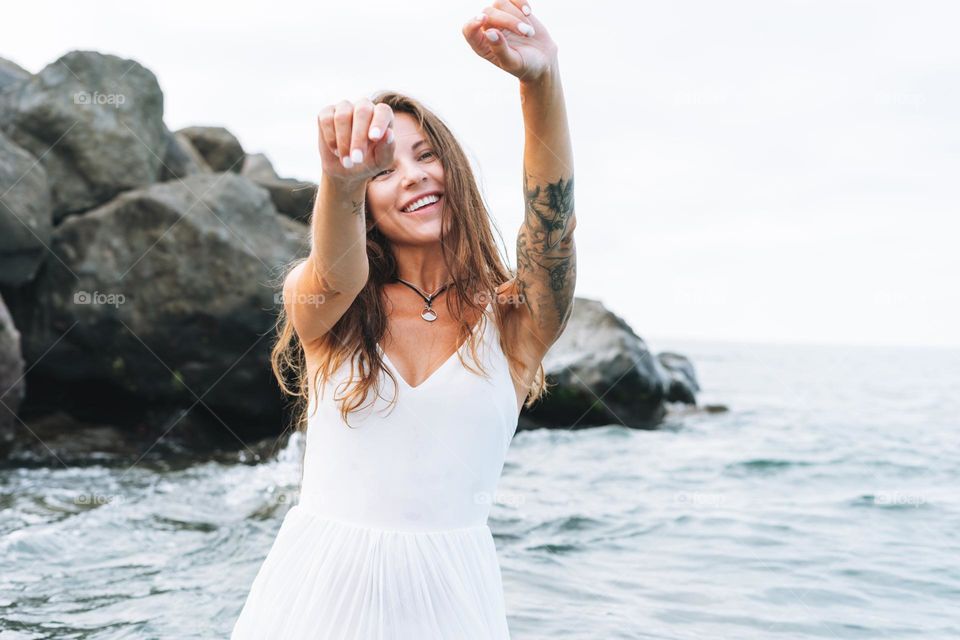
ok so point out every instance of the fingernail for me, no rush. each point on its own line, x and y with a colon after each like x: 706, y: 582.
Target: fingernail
x: 346, y: 162
x: 524, y: 28
x: 375, y: 133
x: 492, y: 36
x: 357, y: 156
x: 526, y: 9
x: 479, y: 17
x: 389, y: 135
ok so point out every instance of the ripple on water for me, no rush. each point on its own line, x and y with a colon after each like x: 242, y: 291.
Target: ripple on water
x: 763, y: 466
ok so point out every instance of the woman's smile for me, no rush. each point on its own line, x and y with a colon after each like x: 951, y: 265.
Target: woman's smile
x: 425, y: 210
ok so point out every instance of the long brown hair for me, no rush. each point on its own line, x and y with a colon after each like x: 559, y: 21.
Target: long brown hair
x: 471, y: 256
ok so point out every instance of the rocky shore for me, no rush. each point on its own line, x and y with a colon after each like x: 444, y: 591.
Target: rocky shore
x: 139, y: 269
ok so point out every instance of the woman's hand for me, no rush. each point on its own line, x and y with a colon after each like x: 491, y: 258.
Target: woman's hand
x: 355, y: 140
x: 508, y: 35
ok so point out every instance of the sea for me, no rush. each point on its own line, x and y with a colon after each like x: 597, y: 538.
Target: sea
x: 823, y: 503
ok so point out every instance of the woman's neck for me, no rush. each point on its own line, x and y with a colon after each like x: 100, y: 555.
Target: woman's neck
x: 422, y: 266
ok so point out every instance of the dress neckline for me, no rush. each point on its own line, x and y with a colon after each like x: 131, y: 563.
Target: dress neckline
x: 446, y: 362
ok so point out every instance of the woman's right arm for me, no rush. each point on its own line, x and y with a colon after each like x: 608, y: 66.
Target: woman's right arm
x: 318, y: 291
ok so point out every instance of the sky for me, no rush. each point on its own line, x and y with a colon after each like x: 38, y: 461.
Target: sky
x: 744, y: 171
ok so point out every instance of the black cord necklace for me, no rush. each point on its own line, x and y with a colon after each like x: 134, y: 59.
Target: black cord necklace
x: 428, y: 313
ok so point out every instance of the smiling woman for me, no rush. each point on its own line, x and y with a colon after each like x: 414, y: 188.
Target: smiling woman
x: 390, y: 538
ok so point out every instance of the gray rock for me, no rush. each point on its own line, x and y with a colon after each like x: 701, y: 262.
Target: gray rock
x: 181, y: 158
x: 165, y: 295
x: 26, y: 214
x: 683, y: 379
x: 12, y: 385
x: 58, y: 438
x: 219, y: 147
x: 600, y: 373
x: 11, y: 73
x: 292, y: 198
x: 95, y: 121
x: 257, y: 166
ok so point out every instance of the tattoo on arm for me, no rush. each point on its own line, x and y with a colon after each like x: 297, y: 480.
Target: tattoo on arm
x: 357, y: 207
x: 546, y: 255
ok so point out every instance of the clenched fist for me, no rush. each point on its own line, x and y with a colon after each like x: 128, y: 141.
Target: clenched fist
x: 356, y: 139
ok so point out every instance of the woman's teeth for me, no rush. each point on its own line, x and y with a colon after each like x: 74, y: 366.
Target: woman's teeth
x: 421, y: 203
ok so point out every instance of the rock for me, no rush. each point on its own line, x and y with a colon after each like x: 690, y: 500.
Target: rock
x: 181, y: 158
x: 160, y: 299
x: 95, y: 121
x: 12, y: 385
x: 26, y: 214
x: 219, y: 147
x: 683, y: 379
x: 292, y: 198
x: 600, y: 373
x: 11, y: 73
x: 257, y: 166
x: 61, y: 439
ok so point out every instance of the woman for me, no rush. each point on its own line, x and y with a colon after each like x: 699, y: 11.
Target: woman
x: 389, y: 538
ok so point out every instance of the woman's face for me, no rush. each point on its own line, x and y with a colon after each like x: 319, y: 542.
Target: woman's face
x: 416, y: 171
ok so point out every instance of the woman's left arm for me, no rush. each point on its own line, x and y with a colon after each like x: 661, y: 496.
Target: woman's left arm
x: 509, y: 36
x: 546, y: 253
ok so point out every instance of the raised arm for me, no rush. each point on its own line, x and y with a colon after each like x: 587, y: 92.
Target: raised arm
x: 546, y: 252
x: 508, y: 34
x: 318, y: 291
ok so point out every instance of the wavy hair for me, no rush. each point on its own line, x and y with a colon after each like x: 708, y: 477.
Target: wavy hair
x: 472, y: 258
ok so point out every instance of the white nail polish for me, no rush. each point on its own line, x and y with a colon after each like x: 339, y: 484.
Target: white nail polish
x: 346, y: 162
x: 492, y: 36
x: 526, y: 9
x: 375, y: 133
x: 356, y: 156
x: 479, y: 17
x: 524, y: 28
x: 389, y: 135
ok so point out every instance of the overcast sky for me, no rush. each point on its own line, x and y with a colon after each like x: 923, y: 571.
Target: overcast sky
x: 754, y: 171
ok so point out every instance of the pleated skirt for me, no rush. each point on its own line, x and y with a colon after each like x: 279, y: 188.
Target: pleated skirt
x: 329, y: 579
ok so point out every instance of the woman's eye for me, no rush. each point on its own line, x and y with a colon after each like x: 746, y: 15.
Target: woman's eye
x: 422, y: 156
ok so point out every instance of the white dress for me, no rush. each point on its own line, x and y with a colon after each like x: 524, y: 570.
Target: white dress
x: 389, y: 539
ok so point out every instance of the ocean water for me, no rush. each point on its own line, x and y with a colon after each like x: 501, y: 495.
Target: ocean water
x: 824, y: 504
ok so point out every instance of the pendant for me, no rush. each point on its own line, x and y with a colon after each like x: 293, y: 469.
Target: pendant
x: 428, y: 314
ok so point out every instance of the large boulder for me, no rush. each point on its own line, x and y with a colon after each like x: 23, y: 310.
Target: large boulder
x: 12, y: 386
x: 165, y: 296
x: 600, y: 372
x: 94, y: 121
x: 26, y: 214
